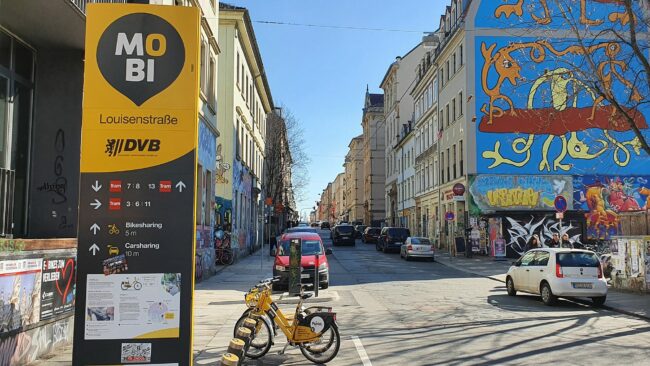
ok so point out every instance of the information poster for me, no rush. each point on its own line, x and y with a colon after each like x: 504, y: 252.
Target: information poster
x: 20, y: 290
x: 500, y: 248
x: 58, y: 286
x: 137, y: 188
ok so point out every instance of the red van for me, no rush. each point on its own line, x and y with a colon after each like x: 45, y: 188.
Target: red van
x: 311, y: 246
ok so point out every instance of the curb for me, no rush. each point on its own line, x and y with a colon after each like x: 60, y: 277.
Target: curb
x: 580, y: 301
x: 331, y: 296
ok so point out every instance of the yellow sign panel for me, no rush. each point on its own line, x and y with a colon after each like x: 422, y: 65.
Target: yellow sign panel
x: 140, y: 94
x: 136, y: 239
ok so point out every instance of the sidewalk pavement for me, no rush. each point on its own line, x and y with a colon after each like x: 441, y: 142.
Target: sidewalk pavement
x: 629, y: 303
x: 218, y: 303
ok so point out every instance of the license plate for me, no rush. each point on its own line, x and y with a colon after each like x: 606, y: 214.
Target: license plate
x: 398, y: 243
x: 304, y: 275
x: 582, y: 285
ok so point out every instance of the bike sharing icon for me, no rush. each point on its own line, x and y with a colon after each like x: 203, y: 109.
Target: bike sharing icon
x: 140, y: 55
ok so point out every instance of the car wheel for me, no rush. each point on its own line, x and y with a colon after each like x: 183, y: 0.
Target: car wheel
x: 377, y: 247
x: 510, y: 287
x: 325, y: 285
x: 407, y: 258
x: 547, y: 295
x: 599, y: 300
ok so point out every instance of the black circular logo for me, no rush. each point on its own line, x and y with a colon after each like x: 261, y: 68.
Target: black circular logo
x: 140, y: 55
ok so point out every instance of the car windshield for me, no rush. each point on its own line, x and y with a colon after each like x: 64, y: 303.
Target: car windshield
x: 309, y: 247
x: 374, y: 231
x: 301, y: 230
x: 399, y: 232
x: 344, y: 229
x: 577, y: 259
x: 423, y: 241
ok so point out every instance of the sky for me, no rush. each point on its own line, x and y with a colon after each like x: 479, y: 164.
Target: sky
x: 321, y: 74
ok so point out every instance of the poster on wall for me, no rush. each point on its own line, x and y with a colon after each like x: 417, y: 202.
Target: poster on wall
x: 129, y: 306
x: 634, y: 257
x: 20, y: 290
x: 58, y: 286
x: 500, y: 248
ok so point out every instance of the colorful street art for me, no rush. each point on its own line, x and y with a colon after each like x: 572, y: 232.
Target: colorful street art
x: 520, y: 229
x: 518, y: 192
x: 222, y: 167
x: 536, y: 114
x: 524, y: 13
x: 604, y: 197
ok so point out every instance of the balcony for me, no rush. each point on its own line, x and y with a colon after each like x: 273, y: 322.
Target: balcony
x: 81, y: 4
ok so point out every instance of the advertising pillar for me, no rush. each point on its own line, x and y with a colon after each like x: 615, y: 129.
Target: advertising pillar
x: 135, y: 278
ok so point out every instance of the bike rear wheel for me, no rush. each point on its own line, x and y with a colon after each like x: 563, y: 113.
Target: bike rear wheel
x: 325, y: 349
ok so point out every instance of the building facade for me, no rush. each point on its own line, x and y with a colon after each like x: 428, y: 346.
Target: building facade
x: 244, y: 103
x: 354, y: 181
x: 399, y: 157
x: 338, y: 191
x: 374, y: 172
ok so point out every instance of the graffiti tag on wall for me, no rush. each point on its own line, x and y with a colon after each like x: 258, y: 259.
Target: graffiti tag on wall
x: 520, y: 229
x: 524, y: 192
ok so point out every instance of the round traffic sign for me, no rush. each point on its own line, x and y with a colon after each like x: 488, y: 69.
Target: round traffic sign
x: 560, y: 203
x: 449, y: 216
x: 459, y: 189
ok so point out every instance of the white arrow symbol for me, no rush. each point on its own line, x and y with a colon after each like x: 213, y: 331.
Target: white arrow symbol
x: 180, y: 185
x: 95, y: 228
x: 96, y: 187
x: 94, y: 248
x: 96, y: 204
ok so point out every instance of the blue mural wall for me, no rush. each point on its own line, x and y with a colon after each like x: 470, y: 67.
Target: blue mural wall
x: 535, y: 115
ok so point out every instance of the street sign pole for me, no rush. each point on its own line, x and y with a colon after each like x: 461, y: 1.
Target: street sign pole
x: 561, y: 206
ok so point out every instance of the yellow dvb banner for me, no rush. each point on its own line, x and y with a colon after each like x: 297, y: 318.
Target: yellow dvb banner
x: 136, y: 234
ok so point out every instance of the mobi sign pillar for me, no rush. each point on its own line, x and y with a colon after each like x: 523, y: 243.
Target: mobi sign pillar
x: 136, y: 235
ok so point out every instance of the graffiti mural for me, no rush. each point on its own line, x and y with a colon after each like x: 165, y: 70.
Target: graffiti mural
x: 222, y: 167
x: 536, y: 115
x: 519, y: 192
x: 596, y: 14
x: 604, y: 197
x: 25, y: 347
x: 518, y: 230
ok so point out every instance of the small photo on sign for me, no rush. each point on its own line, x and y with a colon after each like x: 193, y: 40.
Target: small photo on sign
x: 100, y: 314
x: 136, y: 352
x: 115, y: 264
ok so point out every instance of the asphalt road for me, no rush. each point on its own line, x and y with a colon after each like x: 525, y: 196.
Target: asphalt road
x: 424, y: 313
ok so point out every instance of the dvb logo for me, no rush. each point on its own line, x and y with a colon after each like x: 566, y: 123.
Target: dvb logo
x: 116, y: 147
x: 140, y: 55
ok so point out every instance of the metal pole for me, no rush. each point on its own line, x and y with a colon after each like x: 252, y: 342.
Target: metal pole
x: 561, y: 243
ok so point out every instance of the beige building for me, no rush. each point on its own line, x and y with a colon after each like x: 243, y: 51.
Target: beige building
x: 325, y: 206
x: 354, y: 181
x: 374, y: 172
x: 399, y: 189
x: 245, y: 100
x: 425, y: 95
x: 338, y: 191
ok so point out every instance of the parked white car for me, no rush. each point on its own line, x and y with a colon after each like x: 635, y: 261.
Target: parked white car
x: 416, y: 247
x: 558, y: 272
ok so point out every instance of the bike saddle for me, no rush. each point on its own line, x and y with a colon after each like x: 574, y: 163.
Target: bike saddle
x: 306, y: 295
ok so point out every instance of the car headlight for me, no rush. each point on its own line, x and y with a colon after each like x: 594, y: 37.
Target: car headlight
x: 280, y: 268
x: 322, y: 266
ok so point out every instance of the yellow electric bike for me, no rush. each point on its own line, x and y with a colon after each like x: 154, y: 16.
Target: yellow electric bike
x: 313, y: 330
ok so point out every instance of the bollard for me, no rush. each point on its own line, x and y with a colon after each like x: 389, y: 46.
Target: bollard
x: 252, y: 325
x: 229, y: 359
x: 236, y: 347
x: 245, y: 335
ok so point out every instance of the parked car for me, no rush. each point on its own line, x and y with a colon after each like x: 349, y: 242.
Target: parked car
x: 311, y: 246
x: 417, y: 247
x: 370, y: 235
x: 325, y: 225
x: 392, y: 238
x: 558, y: 272
x: 343, y: 234
x: 297, y: 229
x: 326, y: 237
x: 358, y: 230
x: 315, y: 225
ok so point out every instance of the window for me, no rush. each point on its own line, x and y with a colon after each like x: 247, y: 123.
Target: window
x: 447, y: 70
x: 442, y: 77
x: 442, y: 119
x: 211, y: 84
x: 447, y: 114
x: 541, y: 258
x: 448, y: 166
x: 442, y: 167
x: 460, y: 155
x: 454, y: 63
x: 203, y: 67
x: 461, y: 54
x: 460, y: 103
x: 199, y: 189
x: 238, y: 84
x: 453, y: 106
x: 242, y: 79
x: 527, y: 259
x: 454, y: 170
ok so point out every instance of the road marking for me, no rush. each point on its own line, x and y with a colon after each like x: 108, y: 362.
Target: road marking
x: 361, y: 351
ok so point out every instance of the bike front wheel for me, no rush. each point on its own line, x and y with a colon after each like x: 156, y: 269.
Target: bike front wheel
x: 325, y: 349
x: 261, y: 341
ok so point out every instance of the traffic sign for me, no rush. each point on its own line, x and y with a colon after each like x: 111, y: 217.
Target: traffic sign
x: 139, y: 139
x: 560, y: 203
x: 449, y: 216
